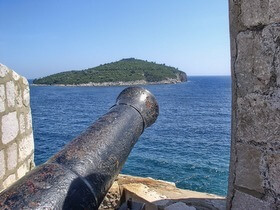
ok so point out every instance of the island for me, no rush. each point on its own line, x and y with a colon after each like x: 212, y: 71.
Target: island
x: 129, y: 71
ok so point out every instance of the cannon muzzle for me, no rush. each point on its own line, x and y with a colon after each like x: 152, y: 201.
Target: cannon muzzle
x: 79, y: 176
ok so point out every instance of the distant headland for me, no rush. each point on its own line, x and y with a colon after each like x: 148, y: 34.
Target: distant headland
x: 129, y: 71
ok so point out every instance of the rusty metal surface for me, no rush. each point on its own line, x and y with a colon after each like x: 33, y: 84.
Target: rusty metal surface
x: 143, y: 101
x: 79, y: 176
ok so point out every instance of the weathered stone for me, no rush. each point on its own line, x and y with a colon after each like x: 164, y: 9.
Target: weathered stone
x: 16, y: 77
x: 18, y: 96
x: 270, y: 40
x: 2, y: 164
x: 179, y: 206
x: 112, y: 198
x: 25, y: 81
x: 26, y: 96
x: 22, y: 170
x: 11, y: 93
x: 29, y: 120
x: 262, y: 123
x: 26, y: 147
x: 10, y: 127
x: 254, y: 13
x: 2, y: 98
x: 9, y: 181
x: 247, y: 62
x: 255, y: 65
x: 274, y: 11
x: 273, y: 182
x: 12, y: 156
x: 243, y: 201
x: 22, y: 123
x: 259, y: 12
x: 248, y: 168
x: 30, y: 161
x: 3, y: 70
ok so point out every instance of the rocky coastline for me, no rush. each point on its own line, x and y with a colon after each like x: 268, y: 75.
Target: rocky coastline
x: 180, y: 78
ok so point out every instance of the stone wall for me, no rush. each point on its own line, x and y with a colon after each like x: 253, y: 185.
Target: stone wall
x: 254, y: 181
x: 16, y: 145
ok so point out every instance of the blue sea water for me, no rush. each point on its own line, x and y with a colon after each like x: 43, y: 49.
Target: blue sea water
x: 189, y: 143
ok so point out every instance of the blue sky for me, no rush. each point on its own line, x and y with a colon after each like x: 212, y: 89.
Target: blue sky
x: 39, y: 37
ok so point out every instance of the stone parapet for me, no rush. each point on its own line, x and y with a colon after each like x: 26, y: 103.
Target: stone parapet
x: 158, y: 195
x: 16, y: 136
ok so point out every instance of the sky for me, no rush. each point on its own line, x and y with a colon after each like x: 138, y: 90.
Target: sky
x: 42, y: 37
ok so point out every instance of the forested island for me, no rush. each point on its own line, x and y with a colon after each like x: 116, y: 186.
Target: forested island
x: 128, y: 71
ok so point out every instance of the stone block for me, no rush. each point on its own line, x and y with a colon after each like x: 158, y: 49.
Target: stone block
x: 26, y: 146
x: 274, y: 11
x: 19, y: 98
x: 257, y: 65
x: 30, y: 162
x: 22, y: 170
x: 25, y: 81
x: 21, y: 123
x: 3, y: 70
x: 2, y: 164
x: 2, y: 98
x: 259, y: 12
x: 29, y: 120
x: 10, y: 127
x: 15, y: 75
x: 248, y: 168
x: 258, y: 117
x: 273, y: 174
x: 9, y: 181
x: 12, y: 156
x: 11, y: 93
x: 253, y: 13
x: 26, y: 96
x: 243, y: 201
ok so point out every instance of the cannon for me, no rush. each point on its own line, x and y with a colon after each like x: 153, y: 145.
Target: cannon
x: 79, y: 176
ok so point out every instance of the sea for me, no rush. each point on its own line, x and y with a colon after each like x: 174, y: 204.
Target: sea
x: 189, y: 144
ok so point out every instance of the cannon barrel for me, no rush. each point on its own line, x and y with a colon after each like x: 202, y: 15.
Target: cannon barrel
x: 79, y: 176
